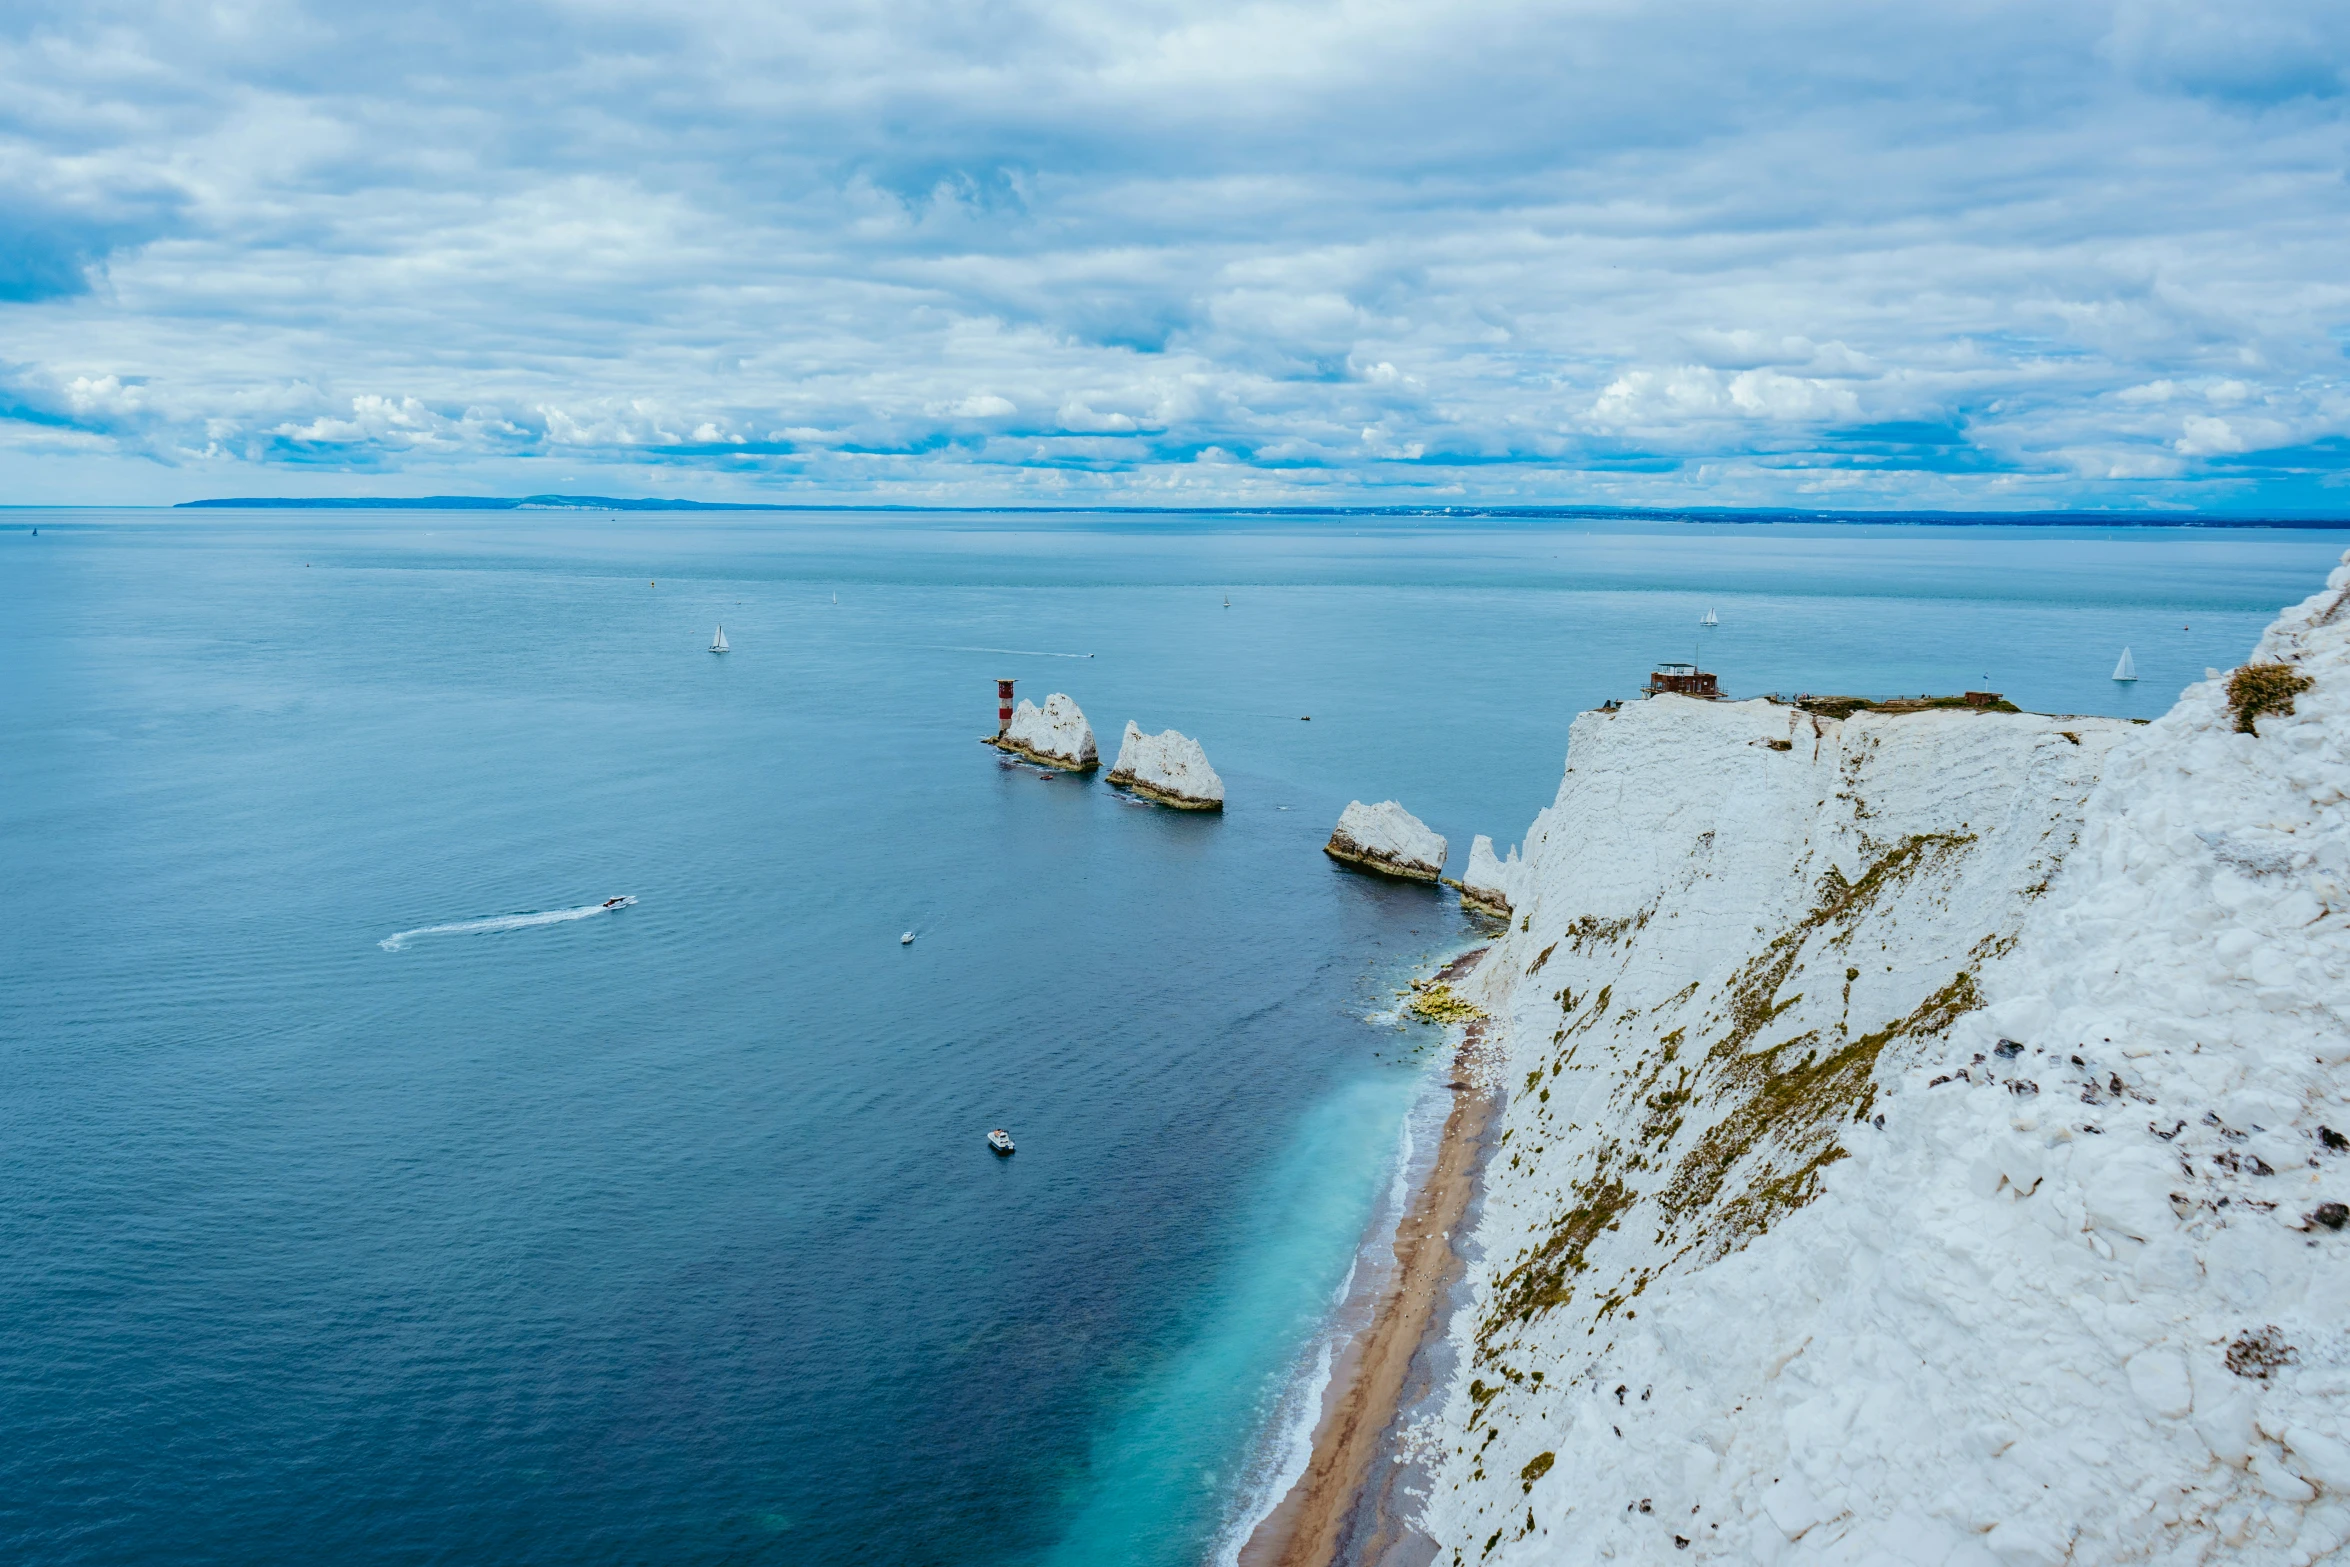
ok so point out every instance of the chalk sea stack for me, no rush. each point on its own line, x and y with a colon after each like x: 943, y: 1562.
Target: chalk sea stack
x: 1055, y: 735
x: 1388, y: 839
x: 1169, y: 768
x: 1486, y: 887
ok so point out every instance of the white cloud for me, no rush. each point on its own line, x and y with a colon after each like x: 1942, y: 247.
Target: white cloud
x: 1992, y: 252
x: 1077, y: 415
x: 1647, y: 398
x: 2207, y: 437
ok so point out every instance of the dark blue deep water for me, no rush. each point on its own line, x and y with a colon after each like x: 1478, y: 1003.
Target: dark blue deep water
x: 667, y: 1235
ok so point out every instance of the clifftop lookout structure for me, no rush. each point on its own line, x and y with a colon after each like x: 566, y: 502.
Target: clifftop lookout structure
x: 1682, y: 680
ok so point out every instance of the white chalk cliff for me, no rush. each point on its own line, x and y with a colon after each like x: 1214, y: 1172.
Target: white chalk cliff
x: 1485, y: 887
x: 1055, y: 734
x: 1388, y: 839
x: 1168, y: 767
x: 1924, y: 1142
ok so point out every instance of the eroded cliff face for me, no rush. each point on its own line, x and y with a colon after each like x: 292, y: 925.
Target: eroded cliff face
x: 1917, y: 1147
x: 1486, y: 884
x: 1168, y: 767
x: 1055, y: 734
x: 1387, y: 839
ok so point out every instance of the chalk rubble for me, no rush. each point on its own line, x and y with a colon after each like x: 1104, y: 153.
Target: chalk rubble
x: 1388, y: 839
x: 1925, y: 1143
x: 1056, y: 735
x: 1167, y: 767
x: 1486, y: 887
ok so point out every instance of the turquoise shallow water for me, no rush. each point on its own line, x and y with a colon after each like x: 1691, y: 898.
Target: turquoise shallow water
x: 666, y: 1235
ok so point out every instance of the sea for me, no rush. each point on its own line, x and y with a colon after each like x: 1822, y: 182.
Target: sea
x: 369, y: 1195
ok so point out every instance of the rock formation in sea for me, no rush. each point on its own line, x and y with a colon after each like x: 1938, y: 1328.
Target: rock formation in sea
x: 1388, y: 839
x: 1928, y: 1140
x: 1055, y: 734
x: 1167, y: 767
x: 1485, y: 888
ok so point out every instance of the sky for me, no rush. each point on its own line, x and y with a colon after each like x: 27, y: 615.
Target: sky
x: 1037, y: 252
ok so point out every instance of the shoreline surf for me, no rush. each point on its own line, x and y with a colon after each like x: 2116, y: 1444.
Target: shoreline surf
x: 1320, y: 1518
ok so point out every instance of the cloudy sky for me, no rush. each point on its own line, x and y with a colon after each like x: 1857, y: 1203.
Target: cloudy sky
x: 1806, y: 253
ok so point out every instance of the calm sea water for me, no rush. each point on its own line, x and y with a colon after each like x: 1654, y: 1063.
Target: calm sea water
x: 667, y: 1235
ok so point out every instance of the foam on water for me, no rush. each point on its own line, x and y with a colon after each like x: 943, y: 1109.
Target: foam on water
x: 399, y: 939
x: 1014, y: 652
x: 1245, y: 1388
x: 1287, y: 1443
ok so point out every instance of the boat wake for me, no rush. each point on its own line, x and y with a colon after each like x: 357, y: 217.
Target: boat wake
x: 394, y: 943
x: 1016, y: 652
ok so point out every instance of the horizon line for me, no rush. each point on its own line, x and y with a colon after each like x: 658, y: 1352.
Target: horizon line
x: 566, y: 502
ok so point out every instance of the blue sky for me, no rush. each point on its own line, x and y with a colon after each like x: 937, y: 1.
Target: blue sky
x: 1039, y: 252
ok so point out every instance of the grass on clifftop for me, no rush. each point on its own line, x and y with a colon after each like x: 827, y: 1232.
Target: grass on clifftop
x: 2259, y: 689
x: 1846, y: 706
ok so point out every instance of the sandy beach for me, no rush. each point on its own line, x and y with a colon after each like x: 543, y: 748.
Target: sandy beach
x: 1312, y: 1524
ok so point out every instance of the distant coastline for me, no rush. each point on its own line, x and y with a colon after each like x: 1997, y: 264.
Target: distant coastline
x: 1734, y: 514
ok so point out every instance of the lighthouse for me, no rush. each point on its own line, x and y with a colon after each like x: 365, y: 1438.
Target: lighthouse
x: 1003, y: 706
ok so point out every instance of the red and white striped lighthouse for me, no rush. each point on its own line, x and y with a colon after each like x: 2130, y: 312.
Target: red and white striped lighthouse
x: 1003, y: 706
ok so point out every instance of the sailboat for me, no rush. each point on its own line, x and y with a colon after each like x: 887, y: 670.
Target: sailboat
x: 2127, y: 669
x: 1711, y: 619
x: 718, y: 641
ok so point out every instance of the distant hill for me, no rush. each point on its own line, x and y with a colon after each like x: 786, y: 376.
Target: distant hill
x: 1944, y: 519
x: 476, y: 503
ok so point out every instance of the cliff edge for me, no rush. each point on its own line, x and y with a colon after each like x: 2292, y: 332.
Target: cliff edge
x: 1925, y: 1140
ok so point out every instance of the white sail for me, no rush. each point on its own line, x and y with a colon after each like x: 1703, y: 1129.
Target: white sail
x: 2127, y: 669
x: 718, y: 641
x: 1711, y: 619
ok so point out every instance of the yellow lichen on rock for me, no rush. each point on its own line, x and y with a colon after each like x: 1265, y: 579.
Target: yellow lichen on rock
x: 1438, y: 1003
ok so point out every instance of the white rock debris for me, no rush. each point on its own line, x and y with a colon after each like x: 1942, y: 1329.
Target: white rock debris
x: 1927, y: 1143
x: 1485, y: 888
x: 1056, y: 734
x: 1168, y: 767
x: 1388, y: 839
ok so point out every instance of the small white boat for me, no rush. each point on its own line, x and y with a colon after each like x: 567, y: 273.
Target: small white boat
x: 718, y: 640
x: 2127, y: 669
x: 1000, y: 1141
x: 906, y: 940
x: 1711, y: 619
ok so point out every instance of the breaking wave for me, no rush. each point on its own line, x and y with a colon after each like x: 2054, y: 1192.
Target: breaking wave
x: 395, y: 942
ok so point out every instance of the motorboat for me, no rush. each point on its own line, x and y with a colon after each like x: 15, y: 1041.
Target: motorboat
x: 614, y: 903
x: 906, y: 940
x: 1000, y: 1141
